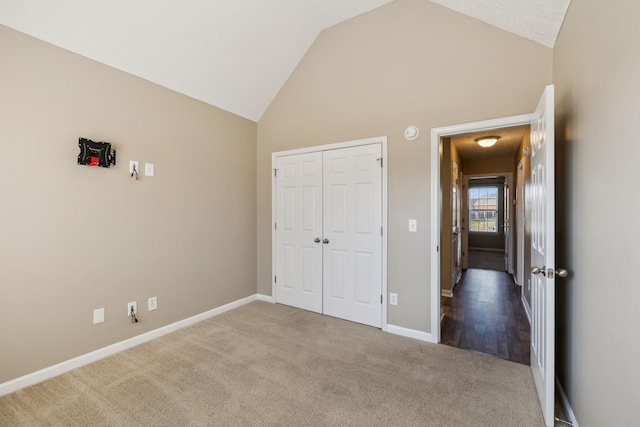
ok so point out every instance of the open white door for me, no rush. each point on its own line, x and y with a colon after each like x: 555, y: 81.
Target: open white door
x: 543, y: 253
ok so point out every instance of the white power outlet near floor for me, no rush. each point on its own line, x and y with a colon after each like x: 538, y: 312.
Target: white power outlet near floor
x: 393, y: 298
x: 133, y: 304
x: 152, y: 303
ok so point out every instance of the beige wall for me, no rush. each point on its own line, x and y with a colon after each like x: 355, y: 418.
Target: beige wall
x: 408, y: 63
x: 596, y: 72
x: 75, y: 238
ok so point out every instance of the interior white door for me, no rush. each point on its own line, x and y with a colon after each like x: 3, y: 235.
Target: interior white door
x: 456, y: 229
x: 352, y: 234
x: 298, y: 280
x: 506, y: 201
x: 543, y: 253
x: 520, y: 224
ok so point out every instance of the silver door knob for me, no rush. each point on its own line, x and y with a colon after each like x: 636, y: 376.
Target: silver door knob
x: 538, y: 270
x: 325, y: 241
x: 561, y: 272
x: 317, y: 240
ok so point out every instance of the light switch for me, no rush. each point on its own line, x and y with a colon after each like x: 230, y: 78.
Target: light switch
x: 149, y: 169
x: 98, y: 315
x: 413, y: 225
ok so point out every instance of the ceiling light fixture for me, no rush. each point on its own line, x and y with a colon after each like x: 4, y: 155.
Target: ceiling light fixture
x: 487, y: 141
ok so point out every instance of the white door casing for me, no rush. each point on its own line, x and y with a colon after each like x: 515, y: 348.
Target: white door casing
x: 506, y: 202
x: 298, y: 266
x: 352, y: 230
x: 436, y: 208
x: 543, y: 253
x: 520, y: 224
x: 456, y: 229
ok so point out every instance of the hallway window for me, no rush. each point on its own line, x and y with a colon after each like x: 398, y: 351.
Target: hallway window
x: 483, y: 209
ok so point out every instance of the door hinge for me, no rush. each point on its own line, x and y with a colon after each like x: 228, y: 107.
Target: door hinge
x: 381, y: 231
x: 380, y: 160
x: 275, y: 279
x: 275, y: 172
x: 275, y: 225
x: 380, y: 298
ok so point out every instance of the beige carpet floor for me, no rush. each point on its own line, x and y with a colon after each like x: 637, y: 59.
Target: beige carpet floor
x: 273, y: 365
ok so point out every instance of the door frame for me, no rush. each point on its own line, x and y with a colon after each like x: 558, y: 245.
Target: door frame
x: 508, y: 179
x: 382, y: 140
x: 436, y: 199
x: 520, y: 230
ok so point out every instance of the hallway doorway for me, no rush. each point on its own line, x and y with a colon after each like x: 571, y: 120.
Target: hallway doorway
x: 486, y: 315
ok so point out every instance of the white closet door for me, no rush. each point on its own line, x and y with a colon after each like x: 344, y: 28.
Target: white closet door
x: 299, y: 231
x: 352, y: 234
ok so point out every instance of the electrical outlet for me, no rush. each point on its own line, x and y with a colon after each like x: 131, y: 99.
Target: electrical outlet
x: 132, y: 164
x: 393, y: 298
x: 152, y: 303
x: 98, y: 315
x: 413, y: 225
x: 133, y: 304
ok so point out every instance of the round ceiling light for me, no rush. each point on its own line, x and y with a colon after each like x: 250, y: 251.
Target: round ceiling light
x: 487, y: 141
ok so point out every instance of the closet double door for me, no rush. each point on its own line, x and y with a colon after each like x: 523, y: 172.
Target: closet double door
x: 328, y: 232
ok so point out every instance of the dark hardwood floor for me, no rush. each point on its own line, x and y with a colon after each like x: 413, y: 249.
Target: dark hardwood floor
x: 486, y: 315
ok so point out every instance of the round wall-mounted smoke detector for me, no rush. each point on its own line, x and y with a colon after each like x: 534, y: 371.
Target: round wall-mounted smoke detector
x: 411, y: 133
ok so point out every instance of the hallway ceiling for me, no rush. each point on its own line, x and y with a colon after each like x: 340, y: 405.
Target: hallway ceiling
x: 507, y: 145
x: 233, y: 54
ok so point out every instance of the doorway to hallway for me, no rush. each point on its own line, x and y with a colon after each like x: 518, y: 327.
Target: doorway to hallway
x: 486, y: 315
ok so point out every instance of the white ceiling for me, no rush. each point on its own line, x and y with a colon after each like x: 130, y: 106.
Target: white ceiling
x: 233, y: 54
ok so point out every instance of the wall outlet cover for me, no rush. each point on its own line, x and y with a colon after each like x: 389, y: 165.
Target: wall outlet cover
x: 98, y: 315
x: 393, y: 298
x: 152, y: 303
x: 135, y: 308
x: 133, y: 163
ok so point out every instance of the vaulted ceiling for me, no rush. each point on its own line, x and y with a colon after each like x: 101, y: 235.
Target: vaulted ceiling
x: 233, y: 54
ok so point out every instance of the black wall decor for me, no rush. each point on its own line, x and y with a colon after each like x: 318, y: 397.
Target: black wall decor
x: 96, y: 153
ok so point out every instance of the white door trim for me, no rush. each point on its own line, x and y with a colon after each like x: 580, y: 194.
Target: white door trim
x: 385, y: 165
x: 520, y: 230
x: 508, y: 177
x: 436, y: 201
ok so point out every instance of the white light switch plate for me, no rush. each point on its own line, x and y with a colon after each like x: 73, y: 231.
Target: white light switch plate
x: 413, y: 225
x: 149, y: 169
x: 393, y: 298
x: 98, y: 315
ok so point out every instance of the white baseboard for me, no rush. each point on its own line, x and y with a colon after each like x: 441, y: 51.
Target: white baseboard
x: 410, y: 333
x: 266, y: 298
x: 565, y: 404
x: 85, y: 359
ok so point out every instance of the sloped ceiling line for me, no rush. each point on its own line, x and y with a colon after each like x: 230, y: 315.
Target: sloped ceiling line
x: 233, y: 54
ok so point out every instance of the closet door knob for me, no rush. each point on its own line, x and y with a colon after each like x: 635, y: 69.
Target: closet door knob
x: 325, y: 241
x: 317, y: 240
